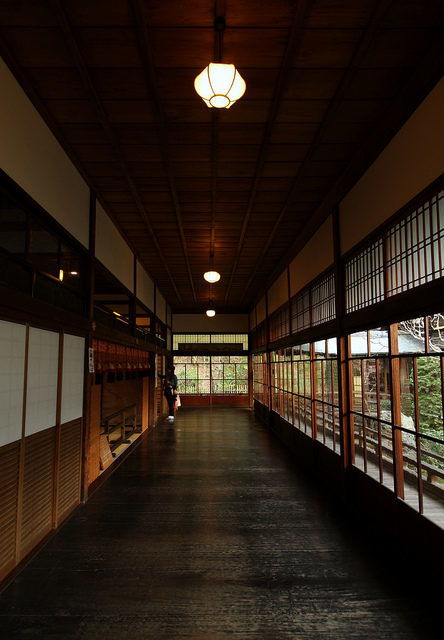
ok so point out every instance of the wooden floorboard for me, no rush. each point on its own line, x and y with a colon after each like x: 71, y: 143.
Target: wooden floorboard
x: 208, y: 532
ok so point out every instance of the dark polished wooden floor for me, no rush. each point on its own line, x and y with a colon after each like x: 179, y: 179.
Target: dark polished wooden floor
x: 207, y: 531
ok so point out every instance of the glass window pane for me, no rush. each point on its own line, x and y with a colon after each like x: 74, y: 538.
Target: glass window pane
x: 436, y: 332
x: 358, y: 342
x: 411, y: 336
x: 379, y: 341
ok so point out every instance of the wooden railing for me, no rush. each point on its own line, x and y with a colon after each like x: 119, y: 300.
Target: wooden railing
x: 119, y: 426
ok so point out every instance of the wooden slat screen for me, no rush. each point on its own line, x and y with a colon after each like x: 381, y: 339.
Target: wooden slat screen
x: 68, y: 491
x: 38, y: 485
x: 9, y: 471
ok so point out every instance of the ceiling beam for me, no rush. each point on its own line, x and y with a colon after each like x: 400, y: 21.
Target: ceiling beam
x: 427, y: 73
x: 361, y: 49
x: 142, y: 30
x: 104, y: 121
x: 293, y: 41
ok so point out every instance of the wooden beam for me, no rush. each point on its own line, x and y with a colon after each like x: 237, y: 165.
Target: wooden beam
x: 364, y: 43
x: 143, y: 40
x: 101, y: 115
x: 293, y: 42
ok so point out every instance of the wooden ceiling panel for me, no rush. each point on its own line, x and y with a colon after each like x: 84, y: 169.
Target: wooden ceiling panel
x: 332, y: 152
x: 361, y: 110
x: 296, y: 133
x: 27, y: 13
x: 412, y: 14
x: 136, y: 133
x: 376, y: 84
x: 191, y: 47
x: 94, y: 152
x: 255, y: 48
x: 115, y: 81
x: 142, y: 152
x: 110, y: 47
x: 259, y: 14
x: 83, y: 133
x: 70, y: 111
x: 396, y: 48
x: 340, y: 14
x: 34, y: 47
x: 83, y: 13
x: 276, y: 169
x: 301, y: 111
x: 131, y: 111
x: 327, y: 48
x: 175, y: 13
x: 286, y: 152
x: 312, y: 84
x: 58, y: 84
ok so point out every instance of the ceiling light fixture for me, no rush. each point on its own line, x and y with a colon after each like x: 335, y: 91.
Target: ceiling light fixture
x: 212, y: 276
x: 220, y: 85
x: 210, y: 313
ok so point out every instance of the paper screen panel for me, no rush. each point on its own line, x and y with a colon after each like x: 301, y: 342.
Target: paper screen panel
x: 12, y: 370
x: 72, y: 380
x: 41, y: 397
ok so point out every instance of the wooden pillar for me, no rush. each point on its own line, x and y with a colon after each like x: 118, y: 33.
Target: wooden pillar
x: 58, y: 432
x: 88, y: 377
x: 398, y: 468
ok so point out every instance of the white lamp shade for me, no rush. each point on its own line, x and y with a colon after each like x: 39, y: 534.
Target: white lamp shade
x: 212, y: 276
x: 210, y: 313
x: 220, y: 85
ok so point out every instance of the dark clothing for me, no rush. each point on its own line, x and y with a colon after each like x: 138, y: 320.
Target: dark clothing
x: 169, y: 390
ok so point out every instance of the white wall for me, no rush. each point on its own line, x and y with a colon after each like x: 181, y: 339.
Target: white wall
x: 144, y: 287
x: 32, y: 157
x: 261, y: 309
x: 412, y: 161
x: 112, y: 250
x: 160, y: 307
x: 12, y: 375
x: 41, y: 395
x: 313, y: 259
x: 278, y: 292
x: 72, y: 377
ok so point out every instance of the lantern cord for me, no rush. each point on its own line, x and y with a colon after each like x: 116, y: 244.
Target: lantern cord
x: 219, y: 25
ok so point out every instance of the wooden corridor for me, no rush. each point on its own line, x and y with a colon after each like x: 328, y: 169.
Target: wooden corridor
x: 208, y: 532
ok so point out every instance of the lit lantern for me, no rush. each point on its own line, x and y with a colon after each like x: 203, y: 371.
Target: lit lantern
x: 220, y: 85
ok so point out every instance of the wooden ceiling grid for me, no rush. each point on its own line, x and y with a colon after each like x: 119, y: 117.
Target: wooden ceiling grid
x: 114, y: 80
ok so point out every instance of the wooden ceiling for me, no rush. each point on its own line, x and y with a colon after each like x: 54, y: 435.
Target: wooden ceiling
x: 328, y: 83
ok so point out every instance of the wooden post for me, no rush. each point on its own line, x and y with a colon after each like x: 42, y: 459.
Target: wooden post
x: 398, y: 469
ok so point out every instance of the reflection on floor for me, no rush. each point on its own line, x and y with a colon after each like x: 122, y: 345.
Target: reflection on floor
x: 207, y: 531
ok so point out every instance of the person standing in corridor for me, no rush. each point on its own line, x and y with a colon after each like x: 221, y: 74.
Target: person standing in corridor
x: 170, y: 391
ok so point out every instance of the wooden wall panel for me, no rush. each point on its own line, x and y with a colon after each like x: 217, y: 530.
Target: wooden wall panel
x: 120, y: 394
x: 68, y: 488
x: 38, y: 489
x: 94, y: 433
x: 200, y: 323
x: 9, y: 473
